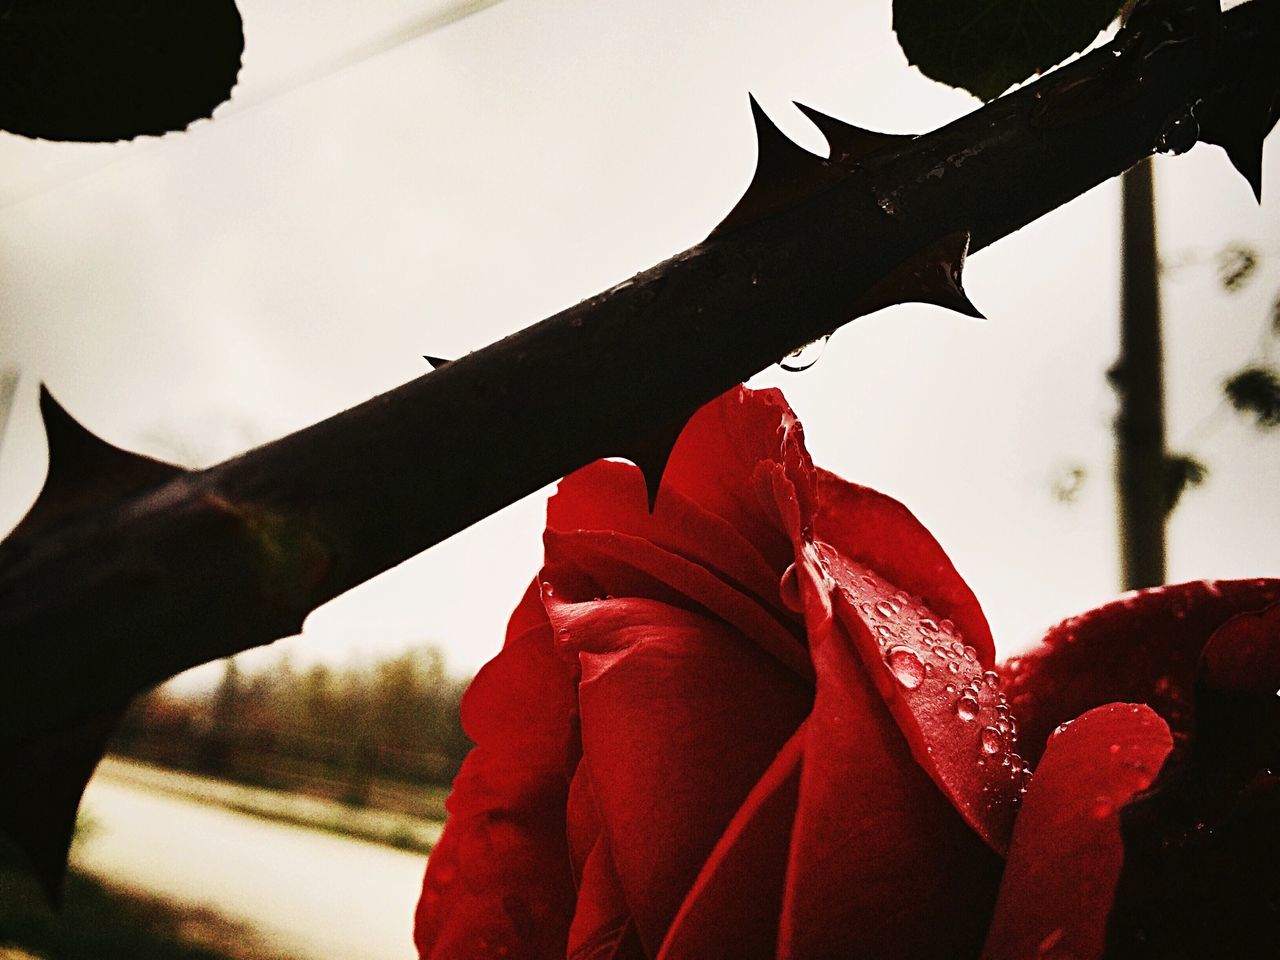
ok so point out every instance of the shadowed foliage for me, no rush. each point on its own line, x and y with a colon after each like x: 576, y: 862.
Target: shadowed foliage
x: 114, y: 69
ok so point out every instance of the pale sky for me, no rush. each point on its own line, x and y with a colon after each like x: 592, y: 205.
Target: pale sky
x: 194, y: 295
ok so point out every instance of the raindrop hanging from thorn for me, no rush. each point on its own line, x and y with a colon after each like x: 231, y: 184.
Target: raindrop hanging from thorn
x: 804, y: 358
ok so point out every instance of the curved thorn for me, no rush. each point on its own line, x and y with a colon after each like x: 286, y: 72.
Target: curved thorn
x: 934, y: 275
x: 84, y: 470
x: 850, y: 143
x: 785, y: 174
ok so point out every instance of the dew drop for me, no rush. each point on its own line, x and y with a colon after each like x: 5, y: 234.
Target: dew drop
x: 800, y: 360
x: 992, y: 740
x: 789, y: 590
x: 928, y: 626
x: 940, y: 652
x: 906, y: 667
x: 885, y: 633
x: 953, y: 667
x: 886, y: 609
x: 951, y: 688
x: 967, y: 707
x: 992, y: 679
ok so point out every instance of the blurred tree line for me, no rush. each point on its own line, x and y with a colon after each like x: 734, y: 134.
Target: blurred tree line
x: 366, y: 734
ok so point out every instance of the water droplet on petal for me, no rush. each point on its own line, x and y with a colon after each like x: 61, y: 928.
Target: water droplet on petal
x: 992, y: 679
x: 906, y: 667
x: 886, y: 609
x: 789, y: 590
x: 992, y: 740
x: 967, y: 707
x: 928, y: 626
x: 800, y: 360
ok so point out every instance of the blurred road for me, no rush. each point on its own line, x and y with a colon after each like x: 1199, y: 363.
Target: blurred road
x: 310, y: 894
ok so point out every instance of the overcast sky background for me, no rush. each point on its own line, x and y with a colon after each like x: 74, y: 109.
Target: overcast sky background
x: 349, y: 210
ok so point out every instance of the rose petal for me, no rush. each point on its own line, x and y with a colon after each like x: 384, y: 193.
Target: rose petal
x: 1237, y: 730
x: 714, y: 464
x: 1243, y: 655
x: 733, y: 908
x: 880, y: 863
x: 606, y: 564
x: 499, y: 879
x: 949, y: 708
x: 1142, y: 648
x: 1211, y: 891
x: 681, y: 716
x: 1201, y: 845
x: 602, y: 926
x: 1067, y: 852
x: 879, y: 532
x: 607, y: 496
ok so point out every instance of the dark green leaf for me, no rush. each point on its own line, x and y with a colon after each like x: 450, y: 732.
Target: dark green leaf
x: 986, y: 46
x: 114, y: 69
x: 1181, y: 471
x: 1256, y: 390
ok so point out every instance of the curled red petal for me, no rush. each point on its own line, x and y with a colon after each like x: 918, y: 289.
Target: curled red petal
x: 879, y: 532
x: 948, y: 706
x: 717, y: 463
x: 1243, y: 655
x: 681, y: 716
x: 602, y: 926
x: 596, y: 565
x: 1067, y: 850
x: 611, y: 496
x: 499, y: 879
x: 739, y: 889
x: 1142, y: 648
x: 880, y: 863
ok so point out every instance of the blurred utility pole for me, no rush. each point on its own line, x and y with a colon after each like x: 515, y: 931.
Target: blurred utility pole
x: 1138, y: 377
x: 8, y: 387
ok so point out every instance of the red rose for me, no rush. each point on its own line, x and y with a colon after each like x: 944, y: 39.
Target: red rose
x: 766, y: 720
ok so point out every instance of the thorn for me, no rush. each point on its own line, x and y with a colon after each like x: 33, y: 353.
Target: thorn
x: 436, y: 362
x: 850, y: 143
x: 786, y: 173
x: 84, y: 470
x: 651, y: 452
x: 934, y: 275
x: 43, y: 781
x: 1247, y: 159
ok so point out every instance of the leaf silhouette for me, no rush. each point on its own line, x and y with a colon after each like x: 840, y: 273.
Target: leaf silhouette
x: 96, y: 70
x: 986, y: 46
